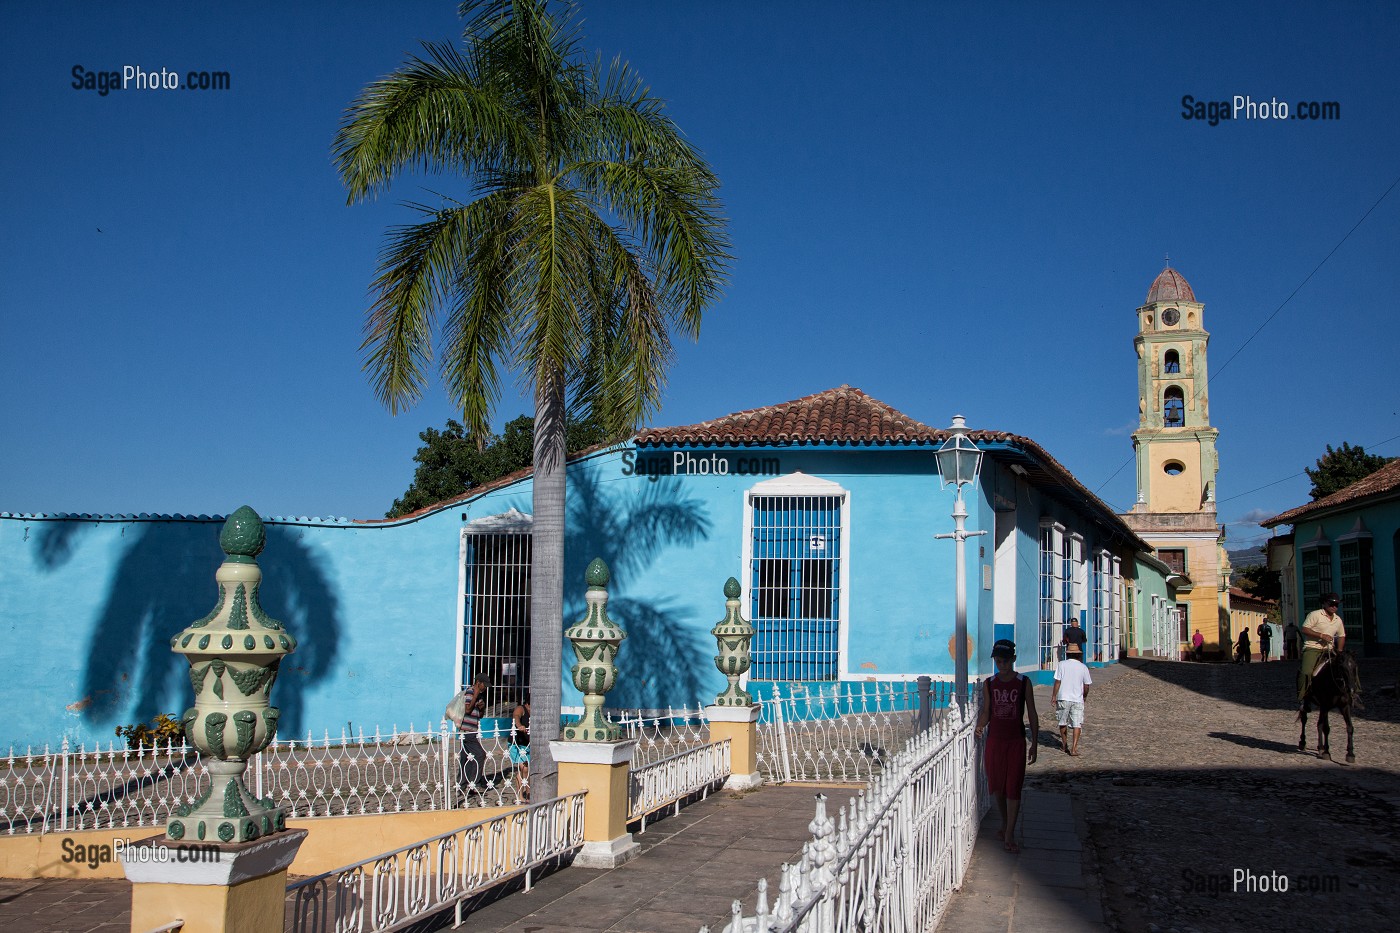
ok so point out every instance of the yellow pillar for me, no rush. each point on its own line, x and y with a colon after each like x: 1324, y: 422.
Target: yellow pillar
x: 239, y: 888
x: 738, y: 724
x: 601, y: 769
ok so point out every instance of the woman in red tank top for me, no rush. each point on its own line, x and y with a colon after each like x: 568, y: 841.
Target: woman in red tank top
x: 1007, y: 700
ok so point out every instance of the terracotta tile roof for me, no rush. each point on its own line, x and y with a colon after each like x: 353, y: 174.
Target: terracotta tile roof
x: 1239, y: 595
x: 1384, y: 481
x: 1170, y: 286
x: 843, y: 415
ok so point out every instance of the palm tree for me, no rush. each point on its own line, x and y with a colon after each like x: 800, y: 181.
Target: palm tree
x: 593, y: 229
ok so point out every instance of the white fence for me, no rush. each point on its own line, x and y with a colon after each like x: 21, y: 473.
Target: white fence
x: 890, y: 862
x: 400, y: 888
x: 842, y: 732
x: 661, y: 733
x: 67, y: 789
x: 669, y: 781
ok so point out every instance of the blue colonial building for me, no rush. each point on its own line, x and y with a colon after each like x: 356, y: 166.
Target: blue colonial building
x: 1347, y: 543
x: 825, y: 508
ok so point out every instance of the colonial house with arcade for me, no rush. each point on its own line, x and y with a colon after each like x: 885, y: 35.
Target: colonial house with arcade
x: 824, y: 508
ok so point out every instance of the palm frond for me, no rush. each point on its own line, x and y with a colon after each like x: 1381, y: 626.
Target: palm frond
x: 676, y: 216
x: 435, y: 113
x: 417, y: 270
x: 480, y: 332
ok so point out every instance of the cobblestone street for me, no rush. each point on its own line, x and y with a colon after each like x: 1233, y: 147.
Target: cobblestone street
x: 1190, y: 772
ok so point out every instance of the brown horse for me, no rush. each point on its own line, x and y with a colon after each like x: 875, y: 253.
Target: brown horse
x: 1337, y: 686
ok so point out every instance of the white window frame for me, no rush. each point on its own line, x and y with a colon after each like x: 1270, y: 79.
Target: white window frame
x: 802, y: 484
x: 510, y: 522
x: 1050, y: 591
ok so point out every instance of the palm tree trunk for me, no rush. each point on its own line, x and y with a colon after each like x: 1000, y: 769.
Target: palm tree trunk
x: 547, y: 584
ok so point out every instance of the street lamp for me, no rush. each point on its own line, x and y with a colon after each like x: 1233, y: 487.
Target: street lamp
x: 958, y: 463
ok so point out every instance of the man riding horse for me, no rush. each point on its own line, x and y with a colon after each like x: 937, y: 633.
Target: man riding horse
x: 1323, y: 631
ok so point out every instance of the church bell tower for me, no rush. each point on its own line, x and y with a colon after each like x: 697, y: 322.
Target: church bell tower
x: 1176, y: 458
x: 1174, y: 441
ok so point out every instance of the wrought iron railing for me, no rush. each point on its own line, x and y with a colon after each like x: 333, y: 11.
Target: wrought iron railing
x: 115, y: 787
x: 661, y: 733
x: 891, y: 860
x: 71, y: 788
x: 668, y: 782
x: 397, y: 889
x: 840, y: 732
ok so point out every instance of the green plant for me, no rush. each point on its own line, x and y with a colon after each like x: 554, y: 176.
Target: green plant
x: 164, y: 729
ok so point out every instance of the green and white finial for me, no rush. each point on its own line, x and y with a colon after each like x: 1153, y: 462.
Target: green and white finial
x: 597, y: 575
x: 595, y: 640
x: 233, y: 653
x: 733, y: 634
x: 243, y: 536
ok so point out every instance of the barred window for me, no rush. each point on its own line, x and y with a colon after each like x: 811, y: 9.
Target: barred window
x: 495, y: 635
x: 796, y: 548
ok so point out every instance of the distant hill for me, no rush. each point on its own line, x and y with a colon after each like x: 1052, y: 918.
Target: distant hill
x: 1247, y: 557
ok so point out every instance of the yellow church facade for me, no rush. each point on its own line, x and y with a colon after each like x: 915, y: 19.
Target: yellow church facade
x: 1175, y: 447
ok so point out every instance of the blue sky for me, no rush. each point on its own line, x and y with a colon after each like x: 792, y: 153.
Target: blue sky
x: 954, y: 208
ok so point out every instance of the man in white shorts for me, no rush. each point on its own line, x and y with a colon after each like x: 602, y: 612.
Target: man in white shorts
x: 1071, y: 690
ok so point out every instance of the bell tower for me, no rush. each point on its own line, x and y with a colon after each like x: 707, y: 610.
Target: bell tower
x: 1176, y: 458
x: 1175, y: 444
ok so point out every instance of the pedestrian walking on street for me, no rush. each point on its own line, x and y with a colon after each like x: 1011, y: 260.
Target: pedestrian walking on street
x: 1074, y: 637
x: 1198, y: 645
x: 1290, y: 641
x: 1243, y: 650
x: 1069, y: 693
x: 1266, y: 640
x: 1007, y: 702
x: 1323, y: 631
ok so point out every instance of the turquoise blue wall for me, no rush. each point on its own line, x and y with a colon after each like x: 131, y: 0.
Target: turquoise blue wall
x: 1150, y: 582
x: 1383, y: 522
x: 89, y: 606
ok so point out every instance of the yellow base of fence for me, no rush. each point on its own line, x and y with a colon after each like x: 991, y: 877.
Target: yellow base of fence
x: 332, y: 841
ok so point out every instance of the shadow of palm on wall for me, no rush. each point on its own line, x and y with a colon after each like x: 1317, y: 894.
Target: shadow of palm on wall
x: 163, y: 581
x: 663, y: 655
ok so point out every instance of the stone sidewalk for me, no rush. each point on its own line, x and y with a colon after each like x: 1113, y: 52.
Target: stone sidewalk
x: 1190, y: 774
x: 1052, y: 885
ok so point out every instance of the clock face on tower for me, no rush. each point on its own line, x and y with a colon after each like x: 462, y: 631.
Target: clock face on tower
x: 1170, y: 317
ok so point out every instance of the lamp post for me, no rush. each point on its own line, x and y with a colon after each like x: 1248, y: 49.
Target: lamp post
x: 958, y: 463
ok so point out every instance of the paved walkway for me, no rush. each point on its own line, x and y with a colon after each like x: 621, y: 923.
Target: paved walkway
x: 692, y: 868
x: 1052, y: 885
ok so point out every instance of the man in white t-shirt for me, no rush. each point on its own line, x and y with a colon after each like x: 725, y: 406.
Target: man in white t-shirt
x: 1071, y: 690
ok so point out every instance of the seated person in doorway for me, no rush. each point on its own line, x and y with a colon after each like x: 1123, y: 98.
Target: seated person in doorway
x: 1007, y: 701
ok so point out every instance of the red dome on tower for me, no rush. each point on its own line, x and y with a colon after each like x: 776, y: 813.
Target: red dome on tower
x: 1170, y: 286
